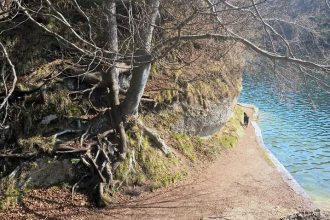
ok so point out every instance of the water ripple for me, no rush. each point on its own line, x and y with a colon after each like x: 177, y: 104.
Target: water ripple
x: 296, y: 128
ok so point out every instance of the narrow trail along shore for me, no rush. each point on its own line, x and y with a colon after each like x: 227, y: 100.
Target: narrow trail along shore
x: 242, y: 183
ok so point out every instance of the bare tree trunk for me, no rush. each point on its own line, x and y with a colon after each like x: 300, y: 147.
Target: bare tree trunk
x: 143, y: 64
x: 110, y: 78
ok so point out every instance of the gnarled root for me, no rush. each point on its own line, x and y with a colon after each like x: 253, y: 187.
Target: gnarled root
x: 98, y: 160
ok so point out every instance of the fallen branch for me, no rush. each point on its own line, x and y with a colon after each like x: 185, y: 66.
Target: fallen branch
x: 77, y: 150
x: 23, y: 155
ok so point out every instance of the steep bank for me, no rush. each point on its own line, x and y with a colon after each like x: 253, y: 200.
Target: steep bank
x: 61, y: 115
x: 183, y: 103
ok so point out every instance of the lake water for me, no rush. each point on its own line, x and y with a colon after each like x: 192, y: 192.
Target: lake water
x: 296, y: 128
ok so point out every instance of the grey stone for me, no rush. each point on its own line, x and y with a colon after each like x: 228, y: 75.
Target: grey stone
x: 201, y: 121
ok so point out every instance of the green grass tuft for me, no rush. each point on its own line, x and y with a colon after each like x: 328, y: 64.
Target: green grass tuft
x: 145, y: 164
x: 185, y: 145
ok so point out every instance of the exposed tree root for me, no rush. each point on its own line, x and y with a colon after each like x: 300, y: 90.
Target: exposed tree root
x: 99, y: 157
x: 154, y: 137
x: 66, y: 132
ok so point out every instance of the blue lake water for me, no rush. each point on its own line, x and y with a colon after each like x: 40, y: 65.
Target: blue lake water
x: 296, y: 128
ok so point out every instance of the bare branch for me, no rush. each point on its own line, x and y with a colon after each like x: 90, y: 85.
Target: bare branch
x: 327, y: 3
x: 252, y: 46
x: 13, y: 70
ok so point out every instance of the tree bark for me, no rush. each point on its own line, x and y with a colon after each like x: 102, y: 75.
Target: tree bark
x: 143, y: 64
x: 110, y: 78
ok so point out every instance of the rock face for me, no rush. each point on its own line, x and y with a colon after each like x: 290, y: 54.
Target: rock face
x: 201, y: 121
x: 199, y: 98
x: 43, y: 172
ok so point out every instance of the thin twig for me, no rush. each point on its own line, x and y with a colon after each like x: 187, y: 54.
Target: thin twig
x: 13, y: 70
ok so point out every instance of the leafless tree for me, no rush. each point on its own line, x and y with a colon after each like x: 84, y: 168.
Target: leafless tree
x: 105, y: 38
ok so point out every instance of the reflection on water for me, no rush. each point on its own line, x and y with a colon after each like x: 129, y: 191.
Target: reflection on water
x: 296, y: 129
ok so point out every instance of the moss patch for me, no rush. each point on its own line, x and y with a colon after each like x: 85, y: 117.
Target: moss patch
x: 227, y: 137
x: 9, y: 196
x: 235, y: 122
x: 195, y: 147
x: 129, y: 172
x: 9, y: 193
x: 163, y: 120
x: 34, y: 79
x: 167, y: 96
x: 37, y: 143
x: 201, y: 92
x: 59, y: 102
x: 161, y: 170
x: 185, y: 144
x: 145, y: 164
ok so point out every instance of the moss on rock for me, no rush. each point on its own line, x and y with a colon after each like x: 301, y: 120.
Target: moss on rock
x: 201, y: 92
x: 167, y: 96
x: 37, y: 143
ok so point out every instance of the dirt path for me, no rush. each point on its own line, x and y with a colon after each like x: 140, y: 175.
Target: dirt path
x: 242, y: 184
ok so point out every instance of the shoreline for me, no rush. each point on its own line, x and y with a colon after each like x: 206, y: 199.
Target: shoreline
x: 286, y: 175
x: 241, y: 184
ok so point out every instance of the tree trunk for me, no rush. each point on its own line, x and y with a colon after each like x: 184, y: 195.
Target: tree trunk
x: 110, y: 78
x: 143, y: 64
